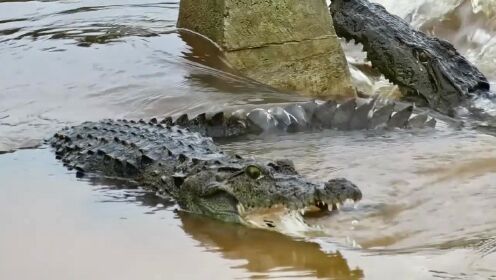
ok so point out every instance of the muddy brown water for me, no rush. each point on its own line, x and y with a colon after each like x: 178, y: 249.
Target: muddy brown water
x: 429, y: 208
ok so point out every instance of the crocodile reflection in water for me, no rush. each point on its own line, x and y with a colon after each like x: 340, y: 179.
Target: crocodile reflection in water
x: 265, y: 251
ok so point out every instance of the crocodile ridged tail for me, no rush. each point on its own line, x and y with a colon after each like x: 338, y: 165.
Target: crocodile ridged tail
x: 354, y: 114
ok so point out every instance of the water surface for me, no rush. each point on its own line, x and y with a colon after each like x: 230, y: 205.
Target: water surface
x: 429, y: 208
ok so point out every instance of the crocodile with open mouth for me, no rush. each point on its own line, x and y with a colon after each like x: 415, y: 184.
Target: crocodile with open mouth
x: 179, y: 158
x: 190, y: 168
x: 428, y: 70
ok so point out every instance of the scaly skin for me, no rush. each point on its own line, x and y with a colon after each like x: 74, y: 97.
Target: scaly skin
x: 354, y: 114
x: 191, y: 169
x: 428, y: 70
x: 177, y: 158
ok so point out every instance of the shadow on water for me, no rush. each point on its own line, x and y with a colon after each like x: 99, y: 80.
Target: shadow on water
x: 267, y: 252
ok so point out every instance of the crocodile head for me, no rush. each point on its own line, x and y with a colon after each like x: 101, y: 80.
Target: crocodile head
x: 428, y: 70
x: 260, y: 193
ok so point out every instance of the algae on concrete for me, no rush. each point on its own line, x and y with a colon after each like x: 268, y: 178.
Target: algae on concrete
x: 288, y: 44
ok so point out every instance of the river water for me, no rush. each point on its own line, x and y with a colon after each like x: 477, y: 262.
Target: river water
x: 429, y: 208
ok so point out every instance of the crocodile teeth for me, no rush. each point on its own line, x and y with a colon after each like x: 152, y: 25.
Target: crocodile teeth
x: 350, y: 201
x: 241, y: 208
x: 323, y: 206
x: 336, y: 206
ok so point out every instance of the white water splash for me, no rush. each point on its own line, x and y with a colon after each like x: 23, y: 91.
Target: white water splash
x: 488, y: 7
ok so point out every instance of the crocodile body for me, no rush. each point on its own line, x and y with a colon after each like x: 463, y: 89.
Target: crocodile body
x: 428, y: 70
x: 178, y: 158
x: 354, y: 114
x: 190, y: 168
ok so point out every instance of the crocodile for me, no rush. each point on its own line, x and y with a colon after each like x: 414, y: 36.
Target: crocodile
x: 428, y: 70
x: 182, y: 164
x: 353, y: 114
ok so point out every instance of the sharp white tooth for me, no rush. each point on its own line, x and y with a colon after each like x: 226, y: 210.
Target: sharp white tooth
x: 302, y: 212
x: 338, y: 205
x: 241, y: 208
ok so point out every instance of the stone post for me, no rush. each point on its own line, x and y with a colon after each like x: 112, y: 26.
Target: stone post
x: 288, y: 44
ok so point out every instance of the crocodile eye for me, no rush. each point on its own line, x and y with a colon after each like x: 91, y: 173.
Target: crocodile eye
x: 423, y: 57
x: 253, y: 172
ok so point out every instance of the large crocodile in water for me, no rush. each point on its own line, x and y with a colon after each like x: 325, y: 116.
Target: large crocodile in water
x: 178, y: 158
x: 190, y: 168
x: 428, y: 70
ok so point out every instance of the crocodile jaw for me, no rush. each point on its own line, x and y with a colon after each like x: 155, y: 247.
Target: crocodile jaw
x: 283, y: 219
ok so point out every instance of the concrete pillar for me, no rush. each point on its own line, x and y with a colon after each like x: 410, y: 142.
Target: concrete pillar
x: 288, y: 44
